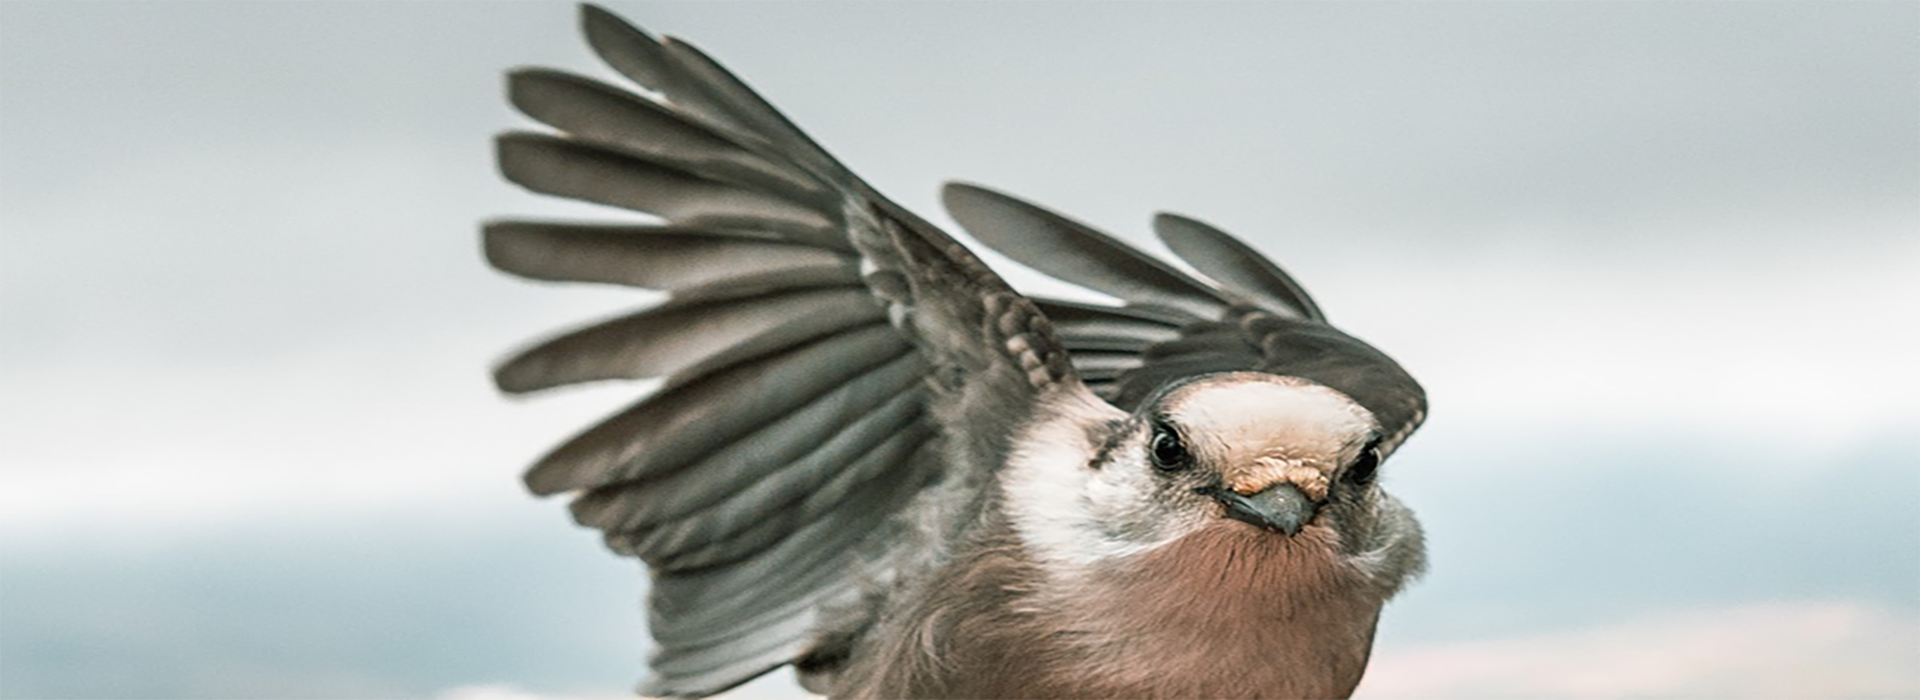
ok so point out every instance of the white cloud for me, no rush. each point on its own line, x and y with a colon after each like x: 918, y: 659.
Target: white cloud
x: 1785, y: 339
x: 1823, y: 649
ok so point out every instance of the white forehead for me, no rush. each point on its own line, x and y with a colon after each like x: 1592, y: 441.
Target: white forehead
x: 1250, y: 408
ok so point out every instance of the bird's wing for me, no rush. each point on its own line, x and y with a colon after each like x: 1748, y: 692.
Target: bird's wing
x: 826, y: 355
x: 1248, y: 316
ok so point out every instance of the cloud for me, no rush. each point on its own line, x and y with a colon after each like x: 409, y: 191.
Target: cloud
x: 1779, y: 339
x: 1781, y: 649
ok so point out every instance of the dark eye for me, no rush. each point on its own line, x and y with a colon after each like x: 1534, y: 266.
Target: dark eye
x: 1364, y: 469
x: 1168, y: 453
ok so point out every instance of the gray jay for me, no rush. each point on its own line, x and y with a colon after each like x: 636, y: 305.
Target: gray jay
x: 872, y: 460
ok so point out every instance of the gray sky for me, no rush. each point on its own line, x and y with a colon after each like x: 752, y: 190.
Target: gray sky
x: 1657, y: 265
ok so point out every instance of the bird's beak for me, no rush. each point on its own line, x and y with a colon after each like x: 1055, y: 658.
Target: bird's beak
x: 1280, y: 508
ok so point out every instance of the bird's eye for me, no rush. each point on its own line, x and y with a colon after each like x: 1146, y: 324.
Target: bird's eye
x: 1168, y: 453
x: 1363, y: 470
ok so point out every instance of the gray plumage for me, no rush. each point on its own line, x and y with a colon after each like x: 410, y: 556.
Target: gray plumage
x: 1236, y: 266
x: 871, y: 459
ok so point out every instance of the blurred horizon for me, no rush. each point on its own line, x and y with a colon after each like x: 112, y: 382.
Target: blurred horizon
x: 1656, y: 265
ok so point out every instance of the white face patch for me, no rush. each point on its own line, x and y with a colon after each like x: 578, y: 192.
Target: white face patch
x: 1069, y: 513
x: 1263, y: 429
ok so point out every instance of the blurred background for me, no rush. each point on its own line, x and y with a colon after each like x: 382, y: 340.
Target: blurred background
x: 1658, y: 265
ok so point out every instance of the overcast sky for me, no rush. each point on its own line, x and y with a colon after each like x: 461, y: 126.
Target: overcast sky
x: 1658, y: 265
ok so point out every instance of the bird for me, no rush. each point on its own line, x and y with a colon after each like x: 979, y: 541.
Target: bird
x: 868, y: 458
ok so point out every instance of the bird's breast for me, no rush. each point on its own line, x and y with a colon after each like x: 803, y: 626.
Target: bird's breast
x: 1230, y: 611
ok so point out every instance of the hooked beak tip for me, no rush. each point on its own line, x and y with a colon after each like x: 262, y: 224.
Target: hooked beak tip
x: 1279, y: 508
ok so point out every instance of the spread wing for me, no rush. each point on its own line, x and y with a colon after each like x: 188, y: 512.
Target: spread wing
x: 1250, y: 316
x: 806, y: 315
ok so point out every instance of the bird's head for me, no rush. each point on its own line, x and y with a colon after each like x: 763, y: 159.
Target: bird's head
x: 1271, y: 452
x: 1245, y: 454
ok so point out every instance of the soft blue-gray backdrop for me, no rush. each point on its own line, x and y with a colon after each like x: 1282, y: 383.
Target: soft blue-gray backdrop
x: 1657, y: 264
